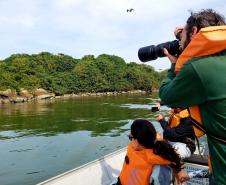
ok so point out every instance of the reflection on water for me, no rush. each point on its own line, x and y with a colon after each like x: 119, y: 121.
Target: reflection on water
x: 137, y: 106
x: 25, y: 108
x: 48, y: 118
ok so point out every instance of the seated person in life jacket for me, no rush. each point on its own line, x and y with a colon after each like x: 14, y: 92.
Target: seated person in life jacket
x: 144, y: 152
x: 179, y: 131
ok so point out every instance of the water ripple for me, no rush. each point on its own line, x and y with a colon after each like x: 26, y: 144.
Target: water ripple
x: 21, y: 150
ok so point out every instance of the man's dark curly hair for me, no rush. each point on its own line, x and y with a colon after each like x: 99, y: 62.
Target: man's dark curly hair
x: 202, y: 19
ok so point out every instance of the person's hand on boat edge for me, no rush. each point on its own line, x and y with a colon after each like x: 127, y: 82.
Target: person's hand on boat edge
x: 182, y: 176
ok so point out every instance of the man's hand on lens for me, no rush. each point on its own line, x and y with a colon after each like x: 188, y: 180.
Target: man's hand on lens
x: 178, y: 29
x: 172, y: 58
x: 182, y: 177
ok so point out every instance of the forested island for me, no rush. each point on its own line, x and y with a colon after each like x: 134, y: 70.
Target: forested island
x: 24, y: 77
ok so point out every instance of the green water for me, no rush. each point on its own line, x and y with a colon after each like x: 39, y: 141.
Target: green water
x: 41, y: 140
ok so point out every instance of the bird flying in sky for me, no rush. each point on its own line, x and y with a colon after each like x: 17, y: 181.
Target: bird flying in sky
x: 130, y: 10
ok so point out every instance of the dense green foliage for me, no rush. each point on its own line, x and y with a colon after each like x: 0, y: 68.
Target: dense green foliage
x: 63, y: 74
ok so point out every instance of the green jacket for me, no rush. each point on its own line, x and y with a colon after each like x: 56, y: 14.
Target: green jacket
x: 202, y: 81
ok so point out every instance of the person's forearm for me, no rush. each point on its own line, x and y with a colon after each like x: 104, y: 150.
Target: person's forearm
x: 171, y: 73
x: 163, y: 123
x: 168, y: 132
x: 179, y: 91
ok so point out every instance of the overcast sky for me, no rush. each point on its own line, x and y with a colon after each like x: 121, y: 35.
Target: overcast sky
x: 81, y: 27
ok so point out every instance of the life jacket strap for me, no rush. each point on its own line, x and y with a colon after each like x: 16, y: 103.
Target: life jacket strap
x: 202, y: 128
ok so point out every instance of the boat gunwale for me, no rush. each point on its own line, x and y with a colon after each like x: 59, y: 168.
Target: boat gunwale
x: 82, y: 166
x: 88, y: 164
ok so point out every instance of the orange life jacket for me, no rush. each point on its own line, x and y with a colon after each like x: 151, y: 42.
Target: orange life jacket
x: 209, y: 164
x: 193, y: 112
x: 207, y: 41
x: 138, y: 165
x: 176, y: 115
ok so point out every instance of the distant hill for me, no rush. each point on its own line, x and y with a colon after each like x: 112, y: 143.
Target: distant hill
x: 61, y: 74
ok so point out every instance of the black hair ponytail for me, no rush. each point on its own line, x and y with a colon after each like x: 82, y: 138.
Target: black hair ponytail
x: 145, y: 133
x: 166, y: 151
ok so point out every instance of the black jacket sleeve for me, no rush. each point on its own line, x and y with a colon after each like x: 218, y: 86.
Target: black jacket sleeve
x: 179, y: 133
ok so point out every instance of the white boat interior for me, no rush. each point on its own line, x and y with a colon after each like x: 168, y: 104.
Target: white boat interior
x: 106, y: 170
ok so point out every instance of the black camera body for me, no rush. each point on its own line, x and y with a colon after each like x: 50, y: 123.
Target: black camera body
x: 152, y: 52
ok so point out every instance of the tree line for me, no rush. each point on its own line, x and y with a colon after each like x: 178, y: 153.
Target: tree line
x: 62, y: 74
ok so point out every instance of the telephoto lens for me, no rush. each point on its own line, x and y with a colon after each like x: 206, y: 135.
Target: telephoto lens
x: 152, y: 52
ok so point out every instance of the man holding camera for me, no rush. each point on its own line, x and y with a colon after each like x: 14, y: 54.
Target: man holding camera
x: 198, y: 77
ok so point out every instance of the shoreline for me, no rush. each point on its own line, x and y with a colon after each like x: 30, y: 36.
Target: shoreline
x: 49, y: 96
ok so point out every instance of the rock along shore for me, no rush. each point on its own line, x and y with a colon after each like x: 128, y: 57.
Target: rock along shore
x: 11, y: 96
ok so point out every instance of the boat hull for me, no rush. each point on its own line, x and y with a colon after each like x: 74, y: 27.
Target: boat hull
x: 106, y: 170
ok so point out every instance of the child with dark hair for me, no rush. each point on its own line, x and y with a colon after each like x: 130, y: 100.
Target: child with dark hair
x: 144, y: 152
x: 178, y: 130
